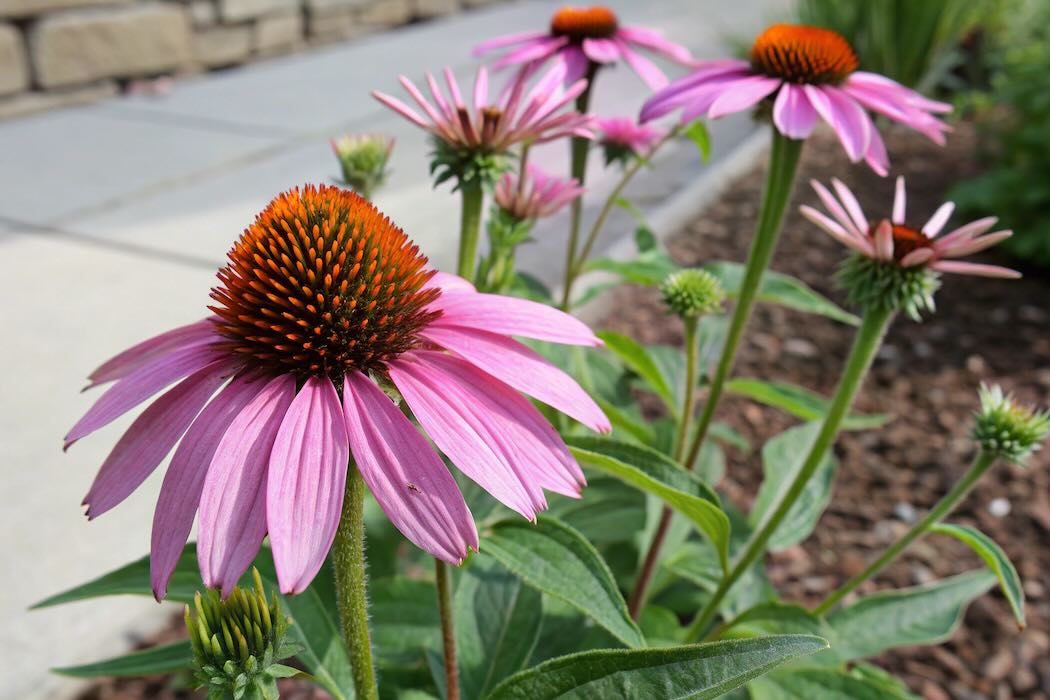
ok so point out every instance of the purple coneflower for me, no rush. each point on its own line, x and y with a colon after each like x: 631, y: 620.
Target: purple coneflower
x: 808, y: 72
x: 324, y: 307
x: 540, y: 196
x: 580, y: 37
x: 515, y: 117
x: 623, y: 139
x: 892, y: 240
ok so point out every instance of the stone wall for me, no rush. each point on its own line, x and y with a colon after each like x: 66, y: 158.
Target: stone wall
x: 64, y: 52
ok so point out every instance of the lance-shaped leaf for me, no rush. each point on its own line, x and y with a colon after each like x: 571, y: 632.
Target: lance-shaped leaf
x: 995, y: 559
x: 161, y: 659
x: 784, y: 618
x: 778, y: 288
x: 800, y: 402
x: 659, y: 475
x: 825, y: 684
x: 636, y: 356
x: 921, y: 615
x: 560, y: 562
x: 696, y: 672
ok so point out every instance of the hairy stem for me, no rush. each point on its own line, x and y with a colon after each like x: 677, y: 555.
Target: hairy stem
x: 946, y: 505
x: 348, y: 557
x: 469, y: 227
x: 783, y: 164
x: 865, y: 344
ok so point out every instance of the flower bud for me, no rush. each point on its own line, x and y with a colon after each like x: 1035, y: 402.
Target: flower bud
x: 363, y: 160
x: 237, y: 642
x: 1007, y: 429
x: 692, y: 293
x: 872, y: 284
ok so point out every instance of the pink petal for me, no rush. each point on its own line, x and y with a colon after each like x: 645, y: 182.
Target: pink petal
x: 975, y: 245
x: 180, y: 493
x: 401, y: 108
x: 845, y: 116
x: 511, y: 428
x: 968, y: 268
x: 601, y: 50
x: 965, y: 233
x: 919, y: 256
x: 481, y: 88
x: 448, y: 283
x: 233, y: 503
x: 744, y: 94
x: 877, y: 158
x: 852, y: 205
x: 512, y: 316
x: 139, y: 385
x: 532, y: 51
x: 884, y: 241
x: 835, y: 230
x: 648, y: 71
x: 938, y: 220
x: 837, y: 211
x: 900, y: 199
x: 655, y: 41
x: 148, y: 350
x: 793, y: 115
x: 507, y: 40
x: 410, y: 482
x: 305, y: 483
x: 149, y: 439
x: 520, y: 367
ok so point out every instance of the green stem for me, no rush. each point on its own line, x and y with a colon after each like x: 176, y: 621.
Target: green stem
x: 869, y: 337
x: 645, y: 574
x: 469, y: 227
x: 348, y: 557
x: 610, y: 202
x: 783, y: 164
x: 448, y: 637
x: 580, y: 149
x: 980, y: 465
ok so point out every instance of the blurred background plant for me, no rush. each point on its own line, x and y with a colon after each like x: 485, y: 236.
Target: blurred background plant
x: 1013, y: 115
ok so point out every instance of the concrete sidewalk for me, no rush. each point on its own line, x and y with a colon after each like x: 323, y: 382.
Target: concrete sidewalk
x: 114, y: 217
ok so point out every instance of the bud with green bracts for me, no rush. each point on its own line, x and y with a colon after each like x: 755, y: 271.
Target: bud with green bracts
x: 237, y: 643
x: 692, y: 293
x: 1007, y: 429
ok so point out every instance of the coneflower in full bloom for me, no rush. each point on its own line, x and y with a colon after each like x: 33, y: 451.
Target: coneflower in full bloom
x: 323, y: 308
x: 581, y: 37
x: 539, y: 196
x: 807, y: 72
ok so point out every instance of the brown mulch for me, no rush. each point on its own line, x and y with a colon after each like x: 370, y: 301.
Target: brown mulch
x: 926, y: 376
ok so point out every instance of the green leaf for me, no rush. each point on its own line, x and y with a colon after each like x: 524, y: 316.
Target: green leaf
x: 783, y: 618
x: 809, y: 684
x: 660, y: 476
x: 161, y: 659
x: 697, y: 133
x: 405, y: 620
x: 921, y: 615
x: 995, y: 559
x: 612, y: 511
x: 892, y: 686
x: 800, y: 402
x: 778, y: 288
x: 637, y: 357
x: 557, y: 560
x: 497, y: 624
x: 782, y: 458
x: 695, y: 672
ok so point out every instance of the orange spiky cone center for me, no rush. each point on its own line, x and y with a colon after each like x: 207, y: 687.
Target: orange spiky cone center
x: 579, y: 23
x: 320, y: 284
x: 799, y: 54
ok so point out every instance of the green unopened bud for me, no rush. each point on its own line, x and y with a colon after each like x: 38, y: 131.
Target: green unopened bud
x: 1007, y: 429
x: 237, y: 642
x: 692, y: 293
x: 871, y: 284
x: 363, y: 160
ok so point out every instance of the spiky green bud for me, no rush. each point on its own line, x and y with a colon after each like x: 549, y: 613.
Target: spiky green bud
x: 363, y: 160
x: 1006, y: 428
x: 465, y: 166
x: 692, y: 293
x: 237, y: 643
x: 873, y: 284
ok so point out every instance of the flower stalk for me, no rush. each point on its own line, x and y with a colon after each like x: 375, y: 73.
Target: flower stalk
x: 869, y: 337
x: 946, y: 505
x: 472, y: 194
x: 783, y: 165
x: 448, y: 637
x: 580, y: 149
x: 348, y: 557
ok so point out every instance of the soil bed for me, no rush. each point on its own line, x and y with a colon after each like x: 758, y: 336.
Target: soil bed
x: 926, y: 376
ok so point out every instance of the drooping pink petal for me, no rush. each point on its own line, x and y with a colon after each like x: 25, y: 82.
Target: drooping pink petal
x: 847, y: 118
x: 410, y: 482
x: 151, y: 436
x: 139, y: 385
x: 180, y: 492
x: 305, y: 483
x: 500, y: 42
x: 938, y: 220
x: 974, y: 245
x: 648, y: 71
x: 968, y: 268
x: 462, y: 430
x: 655, y: 41
x: 601, y: 50
x: 900, y: 202
x: 965, y: 233
x: 746, y: 93
x: 523, y: 369
x: 233, y: 503
x: 877, y: 158
x: 512, y: 316
x: 137, y: 355
x: 679, y: 91
x: 532, y: 51
x: 793, y: 115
